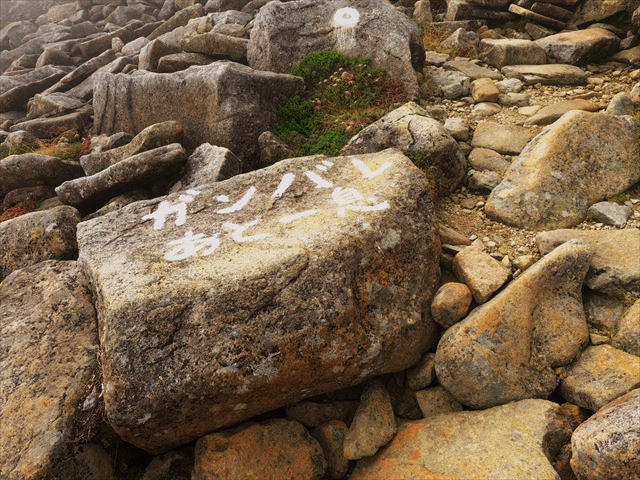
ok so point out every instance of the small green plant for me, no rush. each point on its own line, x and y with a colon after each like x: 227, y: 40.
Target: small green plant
x: 431, y: 170
x: 343, y: 94
x: 619, y: 198
x: 15, y: 150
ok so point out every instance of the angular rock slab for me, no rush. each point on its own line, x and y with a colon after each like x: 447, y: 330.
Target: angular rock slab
x: 224, y: 103
x: 580, y: 46
x: 284, y: 33
x: 221, y: 303
x: 579, y: 160
x: 553, y: 74
x: 510, y: 441
x: 505, y: 350
x: 32, y: 169
x: 607, y: 446
x: 615, y: 266
x: 48, y: 346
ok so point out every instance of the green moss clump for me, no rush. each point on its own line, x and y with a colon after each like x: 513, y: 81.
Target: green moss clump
x: 343, y: 94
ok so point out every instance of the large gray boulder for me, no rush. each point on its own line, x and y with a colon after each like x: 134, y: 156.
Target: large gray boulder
x: 236, y: 298
x: 224, y: 103
x: 48, y: 358
x: 507, y: 442
x: 506, y: 349
x: 420, y: 137
x: 284, y: 33
x: 577, y: 161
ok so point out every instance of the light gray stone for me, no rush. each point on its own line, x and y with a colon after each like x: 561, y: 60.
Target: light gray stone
x: 208, y: 164
x: 621, y: 104
x: 449, y: 83
x: 506, y: 51
x: 507, y: 139
x: 610, y: 213
x: 579, y: 47
x: 483, y: 274
x: 554, y: 74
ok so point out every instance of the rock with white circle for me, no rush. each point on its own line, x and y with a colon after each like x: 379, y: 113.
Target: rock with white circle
x: 235, y: 298
x: 285, y: 32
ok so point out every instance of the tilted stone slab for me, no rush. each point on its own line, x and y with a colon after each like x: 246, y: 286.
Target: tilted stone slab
x: 284, y: 33
x: 48, y: 345
x: 615, y: 266
x: 579, y: 160
x: 580, y: 47
x: 506, y: 349
x: 552, y: 74
x: 237, y: 298
x: 32, y: 169
x: 240, y: 104
x: 553, y: 112
x: 509, y: 51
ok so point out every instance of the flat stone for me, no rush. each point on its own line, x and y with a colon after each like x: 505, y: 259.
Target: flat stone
x: 472, y: 70
x: 47, y: 128
x: 82, y: 72
x: 507, y: 51
x: 628, y: 336
x: 595, y: 10
x: 483, y: 274
x: 279, y: 449
x: 217, y: 46
x: 436, y: 401
x: 48, y: 340
x: 52, y: 105
x: 484, y: 110
x: 536, y: 31
x: 507, y: 139
x: 181, y: 61
x: 130, y: 104
x: 36, y: 237
x: 506, y: 349
x: 251, y: 252
x: 87, y: 192
x: 14, y: 94
x: 451, y: 303
x: 630, y: 56
x: 580, y: 46
x: 483, y: 182
x: 551, y: 113
x: 577, y: 161
x: 32, y: 169
x: 606, y: 445
x: 458, y: 128
x: 621, y: 104
x: 610, y: 213
x: 449, y: 83
x: 374, y: 423
x: 551, y: 10
x: 600, y: 375
x: 481, y: 159
x: 554, y: 74
x: 153, y: 136
x: 411, y: 130
x: 284, y: 32
x: 536, y: 17
x: 422, y: 374
x: 615, y: 266
x: 514, y: 439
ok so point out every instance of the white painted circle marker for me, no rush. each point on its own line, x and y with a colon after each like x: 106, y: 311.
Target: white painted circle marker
x: 346, y: 17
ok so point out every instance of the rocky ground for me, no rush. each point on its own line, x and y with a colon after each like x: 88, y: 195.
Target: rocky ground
x: 456, y: 295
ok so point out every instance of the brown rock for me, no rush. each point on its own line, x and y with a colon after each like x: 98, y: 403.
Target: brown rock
x: 507, y: 139
x: 278, y: 449
x: 600, y: 375
x: 553, y: 74
x: 451, y: 303
x: 483, y: 274
x: 36, y: 237
x: 507, y: 442
x: 423, y: 373
x: 435, y: 401
x: 330, y: 436
x: 373, y: 425
x: 313, y: 414
x: 579, y: 47
x: 507, y: 51
x: 484, y: 90
x: 48, y: 345
x: 553, y: 112
x: 505, y: 350
x: 628, y: 336
x: 606, y: 446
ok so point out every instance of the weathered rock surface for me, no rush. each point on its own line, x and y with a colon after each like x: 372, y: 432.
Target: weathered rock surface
x: 241, y: 104
x: 507, y: 139
x: 208, y: 164
x: 600, y: 375
x: 193, y: 278
x: 411, y: 130
x: 153, y: 136
x: 31, y: 169
x: 435, y: 401
x: 145, y: 167
x: 579, y: 47
x: 507, y: 51
x: 448, y: 83
x: 275, y: 449
x: 553, y: 112
x: 615, y: 266
x: 313, y: 414
x: 553, y: 74
x: 15, y: 90
x: 606, y: 446
x: 36, y: 237
x: 373, y: 425
x: 610, y: 213
x: 577, y: 161
x: 330, y: 436
x: 451, y: 303
x: 505, y: 350
x: 593, y: 10
x: 483, y: 274
x: 48, y: 345
x: 515, y: 440
x: 283, y: 33
x: 628, y: 336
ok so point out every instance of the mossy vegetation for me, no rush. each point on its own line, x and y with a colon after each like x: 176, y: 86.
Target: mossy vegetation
x: 71, y: 151
x: 433, y: 36
x: 343, y: 95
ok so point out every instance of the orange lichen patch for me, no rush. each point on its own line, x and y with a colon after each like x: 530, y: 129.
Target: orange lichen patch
x: 13, y: 212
